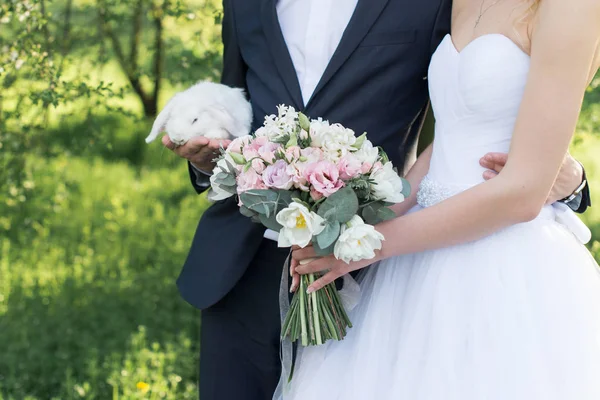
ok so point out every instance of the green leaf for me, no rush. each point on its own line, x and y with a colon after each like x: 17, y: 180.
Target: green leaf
x: 359, y: 141
x: 232, y: 169
x: 225, y: 180
x: 261, y: 201
x: 304, y: 122
x: 406, y: 189
x: 329, y: 235
x: 383, y: 157
x: 246, y: 212
x: 293, y: 141
x: 270, y: 222
x: 376, y: 213
x: 344, y: 204
x: 285, y: 198
x: 322, y: 252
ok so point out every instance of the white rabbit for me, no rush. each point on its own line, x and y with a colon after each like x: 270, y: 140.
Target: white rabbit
x: 206, y: 109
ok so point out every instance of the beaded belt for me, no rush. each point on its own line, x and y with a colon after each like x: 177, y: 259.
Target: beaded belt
x: 432, y: 192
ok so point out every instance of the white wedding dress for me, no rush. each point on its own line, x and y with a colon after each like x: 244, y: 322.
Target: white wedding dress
x: 513, y: 316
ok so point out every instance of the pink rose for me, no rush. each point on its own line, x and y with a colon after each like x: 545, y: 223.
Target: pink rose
x: 292, y: 153
x: 365, y: 168
x: 377, y: 166
x: 250, y: 151
x: 316, y: 196
x: 324, y: 177
x: 258, y: 165
x: 249, y: 180
x: 238, y: 144
x: 268, y: 151
x: 312, y: 154
x: 349, y: 166
x: 277, y: 176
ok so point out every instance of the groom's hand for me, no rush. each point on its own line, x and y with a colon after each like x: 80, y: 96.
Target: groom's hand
x: 567, y: 181
x: 199, y: 150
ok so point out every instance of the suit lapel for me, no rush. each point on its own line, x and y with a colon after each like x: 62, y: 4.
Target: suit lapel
x: 279, y: 51
x: 363, y: 18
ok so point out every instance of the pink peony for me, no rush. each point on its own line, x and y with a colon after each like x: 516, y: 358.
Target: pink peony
x: 324, y: 177
x: 249, y: 180
x: 349, y: 166
x: 277, y: 176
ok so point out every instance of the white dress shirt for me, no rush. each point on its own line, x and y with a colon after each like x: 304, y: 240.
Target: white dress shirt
x: 312, y: 30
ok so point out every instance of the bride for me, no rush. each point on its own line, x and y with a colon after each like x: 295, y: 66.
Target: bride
x: 482, y: 291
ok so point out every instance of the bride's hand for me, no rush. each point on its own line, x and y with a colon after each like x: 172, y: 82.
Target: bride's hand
x: 332, y: 267
x: 569, y: 177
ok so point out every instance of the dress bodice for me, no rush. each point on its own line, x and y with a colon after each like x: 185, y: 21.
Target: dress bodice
x: 476, y: 94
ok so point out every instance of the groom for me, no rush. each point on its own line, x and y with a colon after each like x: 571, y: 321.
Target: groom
x: 362, y: 63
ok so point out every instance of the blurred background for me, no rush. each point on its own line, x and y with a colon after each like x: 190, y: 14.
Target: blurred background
x: 94, y: 223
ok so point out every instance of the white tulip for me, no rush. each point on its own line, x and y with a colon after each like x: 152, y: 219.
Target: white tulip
x: 387, y: 184
x: 299, y: 225
x: 358, y: 241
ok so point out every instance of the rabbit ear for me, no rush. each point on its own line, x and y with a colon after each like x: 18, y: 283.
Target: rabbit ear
x: 228, y: 122
x: 161, y: 120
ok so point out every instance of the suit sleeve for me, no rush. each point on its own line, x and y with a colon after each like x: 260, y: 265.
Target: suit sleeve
x: 233, y: 74
x: 582, y: 202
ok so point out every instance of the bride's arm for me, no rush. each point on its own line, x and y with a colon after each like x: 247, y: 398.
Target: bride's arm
x: 563, y: 49
x: 414, y: 177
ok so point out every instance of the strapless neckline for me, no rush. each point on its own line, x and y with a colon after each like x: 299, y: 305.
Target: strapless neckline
x: 481, y: 38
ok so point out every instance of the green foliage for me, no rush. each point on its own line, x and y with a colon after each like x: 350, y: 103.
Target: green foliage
x: 88, y: 305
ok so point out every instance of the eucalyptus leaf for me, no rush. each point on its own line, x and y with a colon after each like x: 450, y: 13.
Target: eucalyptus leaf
x: 329, y: 235
x: 246, y: 212
x: 225, y: 180
x: 322, y: 252
x: 376, y: 213
x: 261, y: 201
x: 344, y: 203
x: 406, y: 188
x: 270, y: 222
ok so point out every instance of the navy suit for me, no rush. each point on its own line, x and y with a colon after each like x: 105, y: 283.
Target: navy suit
x: 376, y: 82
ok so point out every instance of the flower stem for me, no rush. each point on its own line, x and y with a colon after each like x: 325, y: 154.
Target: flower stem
x: 303, y: 329
x: 315, y: 310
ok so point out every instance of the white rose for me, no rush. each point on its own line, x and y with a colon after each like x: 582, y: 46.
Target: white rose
x: 335, y: 140
x: 387, y: 184
x: 368, y: 153
x: 217, y: 193
x: 299, y: 225
x: 357, y: 241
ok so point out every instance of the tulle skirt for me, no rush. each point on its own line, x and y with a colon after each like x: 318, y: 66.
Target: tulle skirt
x: 514, y: 316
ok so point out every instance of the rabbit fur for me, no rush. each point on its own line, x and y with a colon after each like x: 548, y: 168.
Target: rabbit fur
x: 206, y: 109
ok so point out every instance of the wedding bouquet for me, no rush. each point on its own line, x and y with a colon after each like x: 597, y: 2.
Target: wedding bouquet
x: 314, y: 183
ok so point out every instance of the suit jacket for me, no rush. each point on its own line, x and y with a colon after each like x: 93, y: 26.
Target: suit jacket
x: 376, y: 82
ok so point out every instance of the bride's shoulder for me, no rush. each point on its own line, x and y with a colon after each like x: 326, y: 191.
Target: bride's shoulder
x: 570, y: 13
